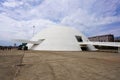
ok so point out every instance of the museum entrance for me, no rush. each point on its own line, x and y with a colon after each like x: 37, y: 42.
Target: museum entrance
x: 84, y: 47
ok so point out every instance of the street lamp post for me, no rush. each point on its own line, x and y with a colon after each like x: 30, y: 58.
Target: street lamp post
x: 33, y: 30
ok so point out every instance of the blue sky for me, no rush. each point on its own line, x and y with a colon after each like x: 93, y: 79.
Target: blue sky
x: 92, y: 17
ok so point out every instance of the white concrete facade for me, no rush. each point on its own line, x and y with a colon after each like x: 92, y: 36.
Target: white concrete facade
x: 59, y: 38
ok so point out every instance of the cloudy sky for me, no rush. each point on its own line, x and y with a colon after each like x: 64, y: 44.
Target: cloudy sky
x: 92, y: 17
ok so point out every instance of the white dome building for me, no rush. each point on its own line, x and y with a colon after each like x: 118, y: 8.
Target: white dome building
x: 59, y: 38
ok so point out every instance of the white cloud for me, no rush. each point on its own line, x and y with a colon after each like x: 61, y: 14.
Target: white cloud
x: 12, y: 3
x: 116, y: 32
x: 105, y: 7
x: 12, y: 29
x: 85, y: 15
x: 83, y: 20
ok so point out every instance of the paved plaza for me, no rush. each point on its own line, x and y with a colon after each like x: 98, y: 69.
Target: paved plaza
x: 46, y: 65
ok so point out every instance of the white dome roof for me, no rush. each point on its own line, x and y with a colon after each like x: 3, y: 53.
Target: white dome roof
x: 58, y: 38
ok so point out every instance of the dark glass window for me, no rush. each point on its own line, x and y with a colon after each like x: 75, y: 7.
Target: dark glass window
x: 79, y: 38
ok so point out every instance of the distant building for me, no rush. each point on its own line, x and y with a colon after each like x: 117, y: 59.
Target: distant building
x: 117, y: 39
x: 103, y: 38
